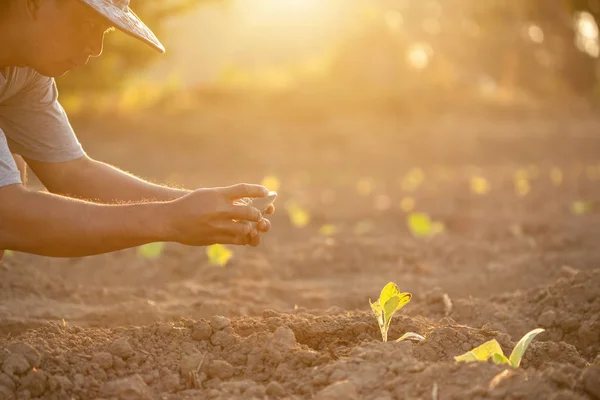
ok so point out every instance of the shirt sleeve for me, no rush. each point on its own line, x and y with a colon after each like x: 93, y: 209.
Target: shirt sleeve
x: 9, y: 173
x: 35, y: 124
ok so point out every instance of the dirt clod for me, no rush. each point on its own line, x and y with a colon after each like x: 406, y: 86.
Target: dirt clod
x: 218, y: 322
x: 201, y: 331
x: 130, y: 388
x: 35, y: 381
x: 338, y: 390
x: 274, y: 389
x: 121, y: 348
x: 15, y: 364
x: 591, y: 381
x: 103, y: 359
x: 220, y: 369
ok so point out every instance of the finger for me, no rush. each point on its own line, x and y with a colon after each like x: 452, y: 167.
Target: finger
x: 238, y: 240
x: 270, y: 210
x: 240, y: 212
x: 242, y: 190
x: 234, y: 228
x: 264, y: 225
x: 254, y: 240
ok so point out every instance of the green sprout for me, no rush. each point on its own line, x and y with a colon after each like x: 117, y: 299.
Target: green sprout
x: 151, y: 250
x: 390, y: 300
x: 491, y: 349
x: 421, y: 225
x: 218, y: 254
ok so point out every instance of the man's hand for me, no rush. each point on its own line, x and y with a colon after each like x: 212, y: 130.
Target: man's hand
x: 209, y: 216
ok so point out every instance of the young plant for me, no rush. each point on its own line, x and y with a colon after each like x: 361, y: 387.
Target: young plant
x: 390, y: 300
x: 218, y: 254
x: 421, y: 225
x: 151, y: 251
x: 491, y: 349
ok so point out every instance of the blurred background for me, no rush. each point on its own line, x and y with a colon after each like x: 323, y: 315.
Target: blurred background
x: 410, y: 55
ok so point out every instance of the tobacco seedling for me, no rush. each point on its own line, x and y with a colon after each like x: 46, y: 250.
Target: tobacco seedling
x: 151, y: 250
x: 218, y: 254
x: 491, y: 349
x: 421, y: 225
x: 390, y: 300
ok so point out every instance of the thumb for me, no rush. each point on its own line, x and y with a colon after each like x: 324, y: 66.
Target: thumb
x: 242, y: 190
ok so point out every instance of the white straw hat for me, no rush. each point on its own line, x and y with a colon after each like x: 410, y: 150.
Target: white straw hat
x: 120, y: 14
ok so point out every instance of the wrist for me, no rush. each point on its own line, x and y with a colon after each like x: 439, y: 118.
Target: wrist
x: 161, y: 215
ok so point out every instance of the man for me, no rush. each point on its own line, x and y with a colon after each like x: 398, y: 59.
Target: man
x: 91, y: 207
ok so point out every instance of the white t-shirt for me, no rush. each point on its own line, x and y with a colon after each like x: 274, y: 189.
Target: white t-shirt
x: 32, y: 122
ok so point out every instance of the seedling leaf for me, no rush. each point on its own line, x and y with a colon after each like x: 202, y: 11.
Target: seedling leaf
x: 218, y: 254
x: 298, y: 216
x: 390, y: 300
x: 519, y: 350
x: 151, y: 251
x: 411, y: 336
x: 482, y: 352
x: 500, y: 359
x: 420, y: 224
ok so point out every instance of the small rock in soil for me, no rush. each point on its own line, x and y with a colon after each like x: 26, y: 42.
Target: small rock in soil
x: 15, y: 364
x: 103, y: 359
x: 131, y: 388
x: 201, y: 331
x: 339, y: 390
x: 121, y: 348
x: 284, y: 338
x: 219, y: 322
x: 35, y: 381
x: 591, y: 381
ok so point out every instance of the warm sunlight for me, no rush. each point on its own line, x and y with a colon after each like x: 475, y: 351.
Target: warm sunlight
x: 287, y: 10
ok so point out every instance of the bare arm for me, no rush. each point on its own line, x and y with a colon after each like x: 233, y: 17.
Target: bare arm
x: 50, y: 225
x: 93, y: 180
x: 57, y: 226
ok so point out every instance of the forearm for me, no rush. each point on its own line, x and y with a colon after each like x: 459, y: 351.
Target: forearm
x: 99, y: 182
x: 56, y: 226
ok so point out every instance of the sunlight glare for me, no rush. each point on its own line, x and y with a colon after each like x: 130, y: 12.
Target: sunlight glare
x: 418, y: 55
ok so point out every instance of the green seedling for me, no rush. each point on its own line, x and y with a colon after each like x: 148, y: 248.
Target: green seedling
x: 299, y: 217
x: 218, y: 254
x: 421, y: 225
x: 151, y: 250
x: 491, y: 349
x: 390, y: 300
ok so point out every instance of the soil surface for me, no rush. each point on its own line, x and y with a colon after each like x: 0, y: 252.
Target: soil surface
x: 291, y: 318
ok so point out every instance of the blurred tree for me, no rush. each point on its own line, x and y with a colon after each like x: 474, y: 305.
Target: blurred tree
x: 123, y: 55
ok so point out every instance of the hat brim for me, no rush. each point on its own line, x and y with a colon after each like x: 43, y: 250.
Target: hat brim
x: 125, y: 20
